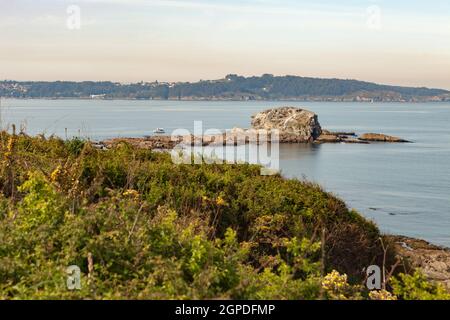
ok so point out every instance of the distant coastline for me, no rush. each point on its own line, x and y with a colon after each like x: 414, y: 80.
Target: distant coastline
x: 225, y: 100
x: 230, y: 88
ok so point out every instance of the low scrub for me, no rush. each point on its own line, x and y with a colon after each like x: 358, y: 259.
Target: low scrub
x: 141, y: 227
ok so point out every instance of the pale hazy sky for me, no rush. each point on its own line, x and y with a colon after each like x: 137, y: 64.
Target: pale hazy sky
x: 188, y: 40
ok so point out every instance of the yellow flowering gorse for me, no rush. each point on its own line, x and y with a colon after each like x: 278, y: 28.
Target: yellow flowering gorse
x: 336, y: 285
x: 55, y: 174
x: 382, y: 295
x: 221, y: 201
x: 131, y: 193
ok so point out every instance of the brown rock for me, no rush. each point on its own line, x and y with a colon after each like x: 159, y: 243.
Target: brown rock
x: 328, y: 138
x: 338, y: 133
x: 354, y: 140
x: 378, y: 137
x: 434, y: 261
x: 156, y: 142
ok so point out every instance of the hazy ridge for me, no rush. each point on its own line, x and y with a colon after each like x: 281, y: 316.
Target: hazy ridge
x: 232, y: 87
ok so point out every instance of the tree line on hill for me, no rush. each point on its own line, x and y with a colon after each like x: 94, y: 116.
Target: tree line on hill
x: 232, y: 87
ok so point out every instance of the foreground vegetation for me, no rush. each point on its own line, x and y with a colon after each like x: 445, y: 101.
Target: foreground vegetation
x: 141, y: 227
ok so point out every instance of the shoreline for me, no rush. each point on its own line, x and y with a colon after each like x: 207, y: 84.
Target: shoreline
x: 227, y: 100
x: 239, y: 136
x: 433, y: 260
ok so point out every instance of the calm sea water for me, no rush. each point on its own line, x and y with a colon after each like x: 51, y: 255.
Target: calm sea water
x: 404, y: 188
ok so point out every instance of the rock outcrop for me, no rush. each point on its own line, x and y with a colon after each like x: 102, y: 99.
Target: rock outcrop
x: 294, y: 124
x: 351, y: 137
x: 433, y: 260
x: 151, y: 142
x: 338, y: 137
x: 377, y: 137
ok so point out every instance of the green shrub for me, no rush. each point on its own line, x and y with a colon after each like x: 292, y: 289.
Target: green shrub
x: 141, y: 227
x: 75, y: 146
x: 417, y: 287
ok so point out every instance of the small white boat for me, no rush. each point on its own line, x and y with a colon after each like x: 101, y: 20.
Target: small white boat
x: 159, y: 131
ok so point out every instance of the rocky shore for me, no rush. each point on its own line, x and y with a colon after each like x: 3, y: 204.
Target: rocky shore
x: 434, y: 261
x: 283, y: 125
x: 351, y: 137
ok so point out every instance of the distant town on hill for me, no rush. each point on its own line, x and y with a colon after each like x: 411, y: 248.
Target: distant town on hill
x: 232, y: 87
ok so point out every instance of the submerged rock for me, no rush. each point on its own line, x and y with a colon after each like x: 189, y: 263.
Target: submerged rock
x: 293, y: 124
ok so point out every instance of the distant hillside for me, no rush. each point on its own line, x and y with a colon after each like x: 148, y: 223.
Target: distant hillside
x: 232, y: 87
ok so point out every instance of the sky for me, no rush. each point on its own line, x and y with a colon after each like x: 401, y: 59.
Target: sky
x: 393, y: 42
